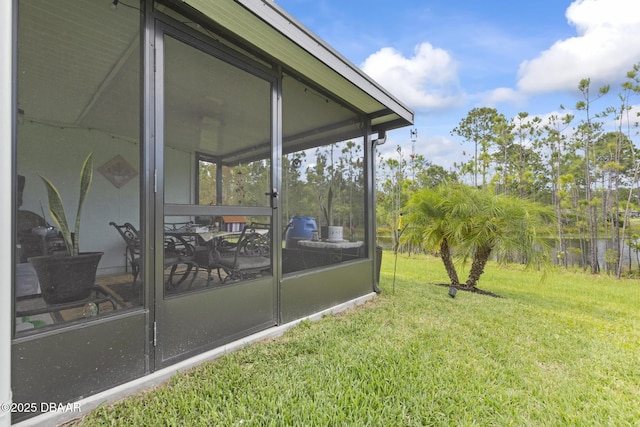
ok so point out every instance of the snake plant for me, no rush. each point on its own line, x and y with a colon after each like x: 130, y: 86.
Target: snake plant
x: 56, y: 207
x: 328, y: 210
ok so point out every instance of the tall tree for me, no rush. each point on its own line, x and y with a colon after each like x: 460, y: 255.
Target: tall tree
x: 479, y: 128
x: 433, y: 175
x: 525, y: 160
x: 555, y: 140
x: 630, y: 88
x: 614, y: 156
x: 503, y: 140
x: 588, y: 132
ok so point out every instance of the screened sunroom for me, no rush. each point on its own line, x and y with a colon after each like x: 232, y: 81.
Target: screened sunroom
x: 223, y: 160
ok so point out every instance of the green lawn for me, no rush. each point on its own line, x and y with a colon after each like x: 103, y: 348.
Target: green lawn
x: 565, y: 351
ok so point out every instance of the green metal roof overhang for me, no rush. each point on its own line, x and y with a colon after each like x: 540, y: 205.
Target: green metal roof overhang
x: 267, y: 27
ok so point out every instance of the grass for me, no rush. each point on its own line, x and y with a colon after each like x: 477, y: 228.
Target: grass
x: 560, y: 352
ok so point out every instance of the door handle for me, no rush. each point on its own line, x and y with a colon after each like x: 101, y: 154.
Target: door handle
x: 274, y: 196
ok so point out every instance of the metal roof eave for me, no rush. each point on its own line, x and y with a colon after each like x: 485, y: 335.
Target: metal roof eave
x: 268, y: 27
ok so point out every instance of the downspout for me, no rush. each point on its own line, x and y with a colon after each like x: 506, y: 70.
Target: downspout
x: 8, y: 18
x: 382, y: 138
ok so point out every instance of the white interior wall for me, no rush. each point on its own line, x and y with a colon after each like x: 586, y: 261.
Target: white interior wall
x: 57, y: 153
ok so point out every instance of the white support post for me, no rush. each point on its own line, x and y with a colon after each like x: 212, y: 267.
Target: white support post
x: 6, y: 251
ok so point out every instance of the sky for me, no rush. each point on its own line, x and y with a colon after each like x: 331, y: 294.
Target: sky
x: 443, y: 58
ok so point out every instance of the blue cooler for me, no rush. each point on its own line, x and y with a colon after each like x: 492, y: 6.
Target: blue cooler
x: 300, y: 228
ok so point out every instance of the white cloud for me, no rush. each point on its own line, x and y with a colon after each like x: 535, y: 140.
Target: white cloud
x: 500, y: 95
x: 606, y: 46
x: 426, y: 80
x: 440, y: 150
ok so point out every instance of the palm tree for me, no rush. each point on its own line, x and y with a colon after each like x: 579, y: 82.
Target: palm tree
x: 476, y: 223
x: 430, y: 228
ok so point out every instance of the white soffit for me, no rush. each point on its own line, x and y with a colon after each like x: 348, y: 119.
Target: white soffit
x: 269, y: 28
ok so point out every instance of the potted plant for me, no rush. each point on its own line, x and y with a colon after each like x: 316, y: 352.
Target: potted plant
x: 72, y: 275
x: 330, y: 232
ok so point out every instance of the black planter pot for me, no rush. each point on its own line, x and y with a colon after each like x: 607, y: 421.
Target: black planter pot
x: 66, y: 278
x: 324, y: 232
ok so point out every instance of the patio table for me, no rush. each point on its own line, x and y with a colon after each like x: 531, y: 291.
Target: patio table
x: 324, y: 244
x: 205, y: 233
x: 316, y: 253
x: 202, y: 257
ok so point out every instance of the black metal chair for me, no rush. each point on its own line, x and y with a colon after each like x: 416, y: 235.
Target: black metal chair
x: 220, y: 247
x: 132, y: 240
x: 176, y: 252
x: 250, y: 257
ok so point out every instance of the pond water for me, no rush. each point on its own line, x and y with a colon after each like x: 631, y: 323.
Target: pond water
x: 577, y: 251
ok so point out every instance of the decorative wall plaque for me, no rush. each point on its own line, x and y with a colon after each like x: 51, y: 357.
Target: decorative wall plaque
x: 118, y: 171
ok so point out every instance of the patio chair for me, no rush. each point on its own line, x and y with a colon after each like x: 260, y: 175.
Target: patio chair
x: 132, y: 240
x: 176, y: 252
x: 223, y: 246
x: 250, y: 257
